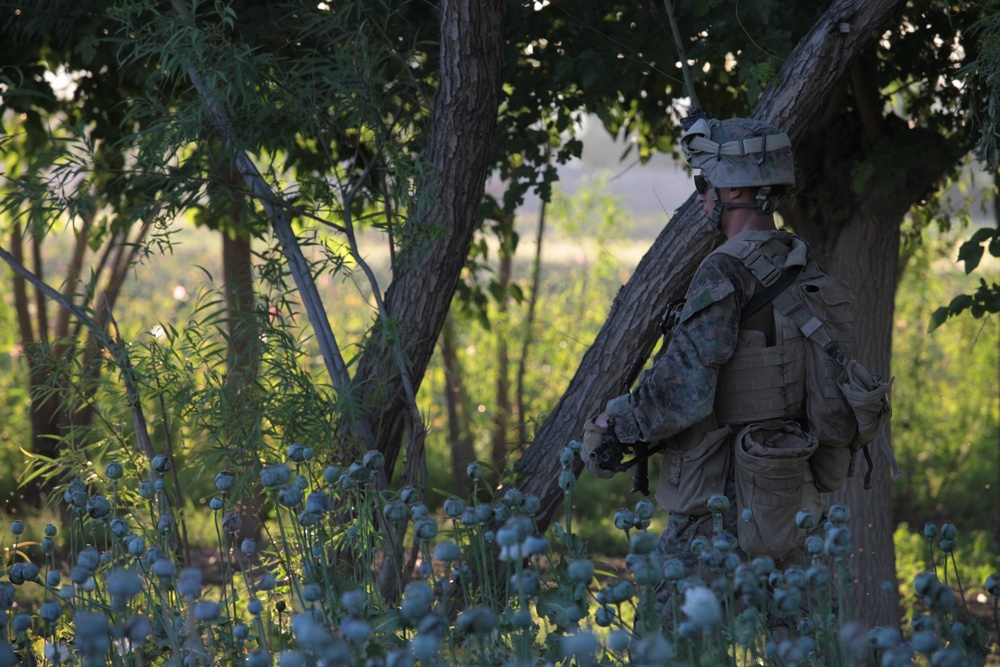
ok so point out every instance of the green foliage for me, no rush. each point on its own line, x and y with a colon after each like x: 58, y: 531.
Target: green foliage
x: 946, y: 400
x: 980, y: 75
x: 919, y: 551
x: 986, y: 298
x: 983, y: 85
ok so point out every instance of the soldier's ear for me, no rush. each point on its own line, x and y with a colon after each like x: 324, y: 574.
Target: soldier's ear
x: 735, y: 194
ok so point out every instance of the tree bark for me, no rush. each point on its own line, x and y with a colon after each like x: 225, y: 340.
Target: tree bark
x: 243, y: 355
x: 501, y: 329
x: 866, y: 257
x: 459, y: 439
x: 856, y: 236
x: 242, y: 359
x: 436, y: 239
x: 529, y: 324
x: 812, y: 72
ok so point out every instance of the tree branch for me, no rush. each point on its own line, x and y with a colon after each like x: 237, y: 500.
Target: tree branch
x: 297, y: 263
x: 115, y: 347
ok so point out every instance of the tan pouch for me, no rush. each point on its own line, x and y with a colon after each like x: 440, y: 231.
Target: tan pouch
x: 830, y: 467
x: 868, y: 397
x: 695, y: 468
x: 774, y: 481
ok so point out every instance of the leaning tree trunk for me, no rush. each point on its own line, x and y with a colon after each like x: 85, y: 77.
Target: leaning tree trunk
x: 811, y: 71
x: 810, y: 74
x: 438, y: 235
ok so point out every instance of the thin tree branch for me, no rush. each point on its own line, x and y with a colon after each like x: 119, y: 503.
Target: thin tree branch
x: 278, y: 215
x: 529, y: 323
x: 114, y: 345
x: 679, y: 45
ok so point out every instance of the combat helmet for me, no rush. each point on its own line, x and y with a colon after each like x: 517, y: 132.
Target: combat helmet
x: 740, y: 152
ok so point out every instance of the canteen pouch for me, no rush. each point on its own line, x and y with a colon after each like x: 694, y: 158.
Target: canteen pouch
x: 774, y: 481
x: 695, y: 466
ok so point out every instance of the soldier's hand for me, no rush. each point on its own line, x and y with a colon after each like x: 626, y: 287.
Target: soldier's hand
x: 592, y: 437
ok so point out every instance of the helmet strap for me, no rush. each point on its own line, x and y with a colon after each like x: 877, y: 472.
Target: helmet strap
x: 765, y: 204
x: 721, y: 207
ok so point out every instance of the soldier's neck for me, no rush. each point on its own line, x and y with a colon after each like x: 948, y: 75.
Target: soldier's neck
x: 746, y: 220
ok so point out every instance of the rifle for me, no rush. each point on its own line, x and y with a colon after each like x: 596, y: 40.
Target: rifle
x: 611, y: 453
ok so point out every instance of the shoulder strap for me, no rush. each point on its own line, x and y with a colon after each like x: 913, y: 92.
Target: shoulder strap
x: 810, y: 325
x: 769, y: 293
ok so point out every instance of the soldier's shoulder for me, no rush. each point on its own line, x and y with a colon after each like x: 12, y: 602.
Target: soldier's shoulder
x: 714, y: 280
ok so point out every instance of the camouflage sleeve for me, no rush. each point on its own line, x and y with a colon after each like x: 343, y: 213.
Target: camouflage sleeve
x: 679, y: 389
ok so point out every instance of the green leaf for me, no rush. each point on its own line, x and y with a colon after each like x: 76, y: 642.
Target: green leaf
x: 971, y: 253
x: 960, y: 303
x: 938, y: 318
x: 497, y: 291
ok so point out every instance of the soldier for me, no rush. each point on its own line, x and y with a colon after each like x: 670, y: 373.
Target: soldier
x: 728, y: 375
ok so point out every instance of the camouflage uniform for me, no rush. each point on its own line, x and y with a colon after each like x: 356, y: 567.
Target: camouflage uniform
x: 674, y: 399
x: 679, y: 390
x: 729, y: 389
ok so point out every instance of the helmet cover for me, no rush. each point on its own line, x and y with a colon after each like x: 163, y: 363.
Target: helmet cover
x: 739, y: 153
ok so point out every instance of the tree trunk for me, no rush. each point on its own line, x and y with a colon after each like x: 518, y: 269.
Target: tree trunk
x: 810, y: 75
x: 459, y: 439
x: 501, y: 329
x: 529, y: 325
x: 243, y: 361
x: 856, y: 236
x: 865, y: 257
x: 244, y: 336
x: 437, y: 237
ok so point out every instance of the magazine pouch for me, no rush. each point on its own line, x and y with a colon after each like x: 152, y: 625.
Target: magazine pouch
x: 774, y: 481
x: 695, y: 466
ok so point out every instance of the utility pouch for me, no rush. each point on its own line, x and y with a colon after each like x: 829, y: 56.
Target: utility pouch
x: 868, y: 396
x: 774, y: 481
x: 695, y: 467
x: 831, y: 466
